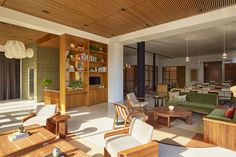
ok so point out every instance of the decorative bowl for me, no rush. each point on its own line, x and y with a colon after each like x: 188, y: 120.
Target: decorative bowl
x: 171, y: 107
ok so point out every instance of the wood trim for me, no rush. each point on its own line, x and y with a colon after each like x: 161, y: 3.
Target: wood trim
x: 149, y: 149
x: 116, y: 132
x: 63, y: 73
x: 45, y: 38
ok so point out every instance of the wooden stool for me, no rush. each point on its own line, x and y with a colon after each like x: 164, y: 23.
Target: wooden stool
x: 61, y: 125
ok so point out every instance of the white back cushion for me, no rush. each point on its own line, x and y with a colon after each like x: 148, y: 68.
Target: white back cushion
x: 45, y: 110
x: 141, y: 131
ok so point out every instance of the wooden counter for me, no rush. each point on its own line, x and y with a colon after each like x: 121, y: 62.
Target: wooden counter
x: 51, y: 97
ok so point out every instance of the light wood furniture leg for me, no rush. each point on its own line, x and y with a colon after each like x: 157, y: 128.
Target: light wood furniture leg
x: 168, y: 122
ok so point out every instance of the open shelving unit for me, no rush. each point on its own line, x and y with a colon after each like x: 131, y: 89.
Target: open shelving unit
x: 80, y: 63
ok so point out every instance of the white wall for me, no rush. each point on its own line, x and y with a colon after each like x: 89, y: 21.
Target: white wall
x: 132, y: 60
x: 193, y: 64
x: 115, y: 72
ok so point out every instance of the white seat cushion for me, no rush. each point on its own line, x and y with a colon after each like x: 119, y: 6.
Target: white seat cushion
x: 40, y: 120
x: 45, y: 110
x: 142, y: 104
x: 119, y: 143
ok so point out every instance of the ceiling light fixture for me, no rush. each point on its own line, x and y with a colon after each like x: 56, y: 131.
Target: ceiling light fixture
x: 187, y: 59
x: 45, y: 11
x: 224, y: 55
x: 122, y: 9
x: 16, y: 49
x: 198, y: 60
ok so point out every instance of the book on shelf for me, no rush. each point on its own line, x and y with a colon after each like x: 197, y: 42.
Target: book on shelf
x: 18, y: 135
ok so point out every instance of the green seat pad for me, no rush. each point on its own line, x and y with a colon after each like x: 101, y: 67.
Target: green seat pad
x: 218, y: 112
x: 219, y: 118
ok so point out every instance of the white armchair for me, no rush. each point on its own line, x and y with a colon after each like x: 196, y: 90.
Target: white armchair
x: 41, y: 116
x: 135, y: 141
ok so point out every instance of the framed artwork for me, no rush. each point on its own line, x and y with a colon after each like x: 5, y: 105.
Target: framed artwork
x: 194, y: 74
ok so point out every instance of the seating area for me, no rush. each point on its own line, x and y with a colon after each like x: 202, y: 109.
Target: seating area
x: 136, y: 78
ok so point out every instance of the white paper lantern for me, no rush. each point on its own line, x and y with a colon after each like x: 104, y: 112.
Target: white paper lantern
x: 15, y: 49
x: 29, y: 52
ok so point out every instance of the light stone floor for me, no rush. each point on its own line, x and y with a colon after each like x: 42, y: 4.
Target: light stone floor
x: 89, y: 125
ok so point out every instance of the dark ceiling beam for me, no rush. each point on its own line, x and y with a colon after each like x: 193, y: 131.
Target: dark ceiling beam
x: 130, y: 47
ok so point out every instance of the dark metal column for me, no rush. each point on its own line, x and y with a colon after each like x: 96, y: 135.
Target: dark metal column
x: 141, y: 68
x: 154, y: 73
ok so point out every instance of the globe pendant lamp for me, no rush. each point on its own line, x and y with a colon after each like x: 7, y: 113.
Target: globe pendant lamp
x: 187, y: 59
x: 224, y: 55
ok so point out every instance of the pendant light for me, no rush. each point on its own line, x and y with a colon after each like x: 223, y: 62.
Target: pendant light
x: 187, y: 59
x: 198, y: 60
x: 224, y: 55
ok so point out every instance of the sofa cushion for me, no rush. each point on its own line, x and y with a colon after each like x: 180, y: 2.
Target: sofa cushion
x: 181, y: 98
x: 141, y: 131
x: 218, y: 112
x: 117, y: 143
x: 229, y: 113
x: 219, y: 118
x: 40, y: 120
x: 173, y: 96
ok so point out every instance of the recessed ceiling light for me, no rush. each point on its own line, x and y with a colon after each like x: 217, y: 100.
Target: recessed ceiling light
x: 147, y: 25
x: 85, y: 25
x: 122, y: 9
x: 45, y: 11
x: 112, y: 34
x: 200, y: 10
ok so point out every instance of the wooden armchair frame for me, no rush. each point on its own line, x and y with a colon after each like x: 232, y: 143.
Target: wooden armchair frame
x: 220, y: 133
x: 149, y: 149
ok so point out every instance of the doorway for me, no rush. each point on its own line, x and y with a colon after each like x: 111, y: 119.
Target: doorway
x: 31, y: 84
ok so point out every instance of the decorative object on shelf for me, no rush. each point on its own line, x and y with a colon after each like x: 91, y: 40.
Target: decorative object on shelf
x: 93, y: 48
x: 187, y: 59
x: 70, y: 55
x: 171, y: 107
x: 127, y: 66
x: 16, y: 49
x: 80, y: 67
x: 71, y: 68
x: 224, y: 55
x: 47, y: 83
x: 100, y: 49
x: 72, y: 45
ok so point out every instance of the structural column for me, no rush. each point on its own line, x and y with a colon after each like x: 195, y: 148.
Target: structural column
x: 141, y: 68
x: 154, y: 73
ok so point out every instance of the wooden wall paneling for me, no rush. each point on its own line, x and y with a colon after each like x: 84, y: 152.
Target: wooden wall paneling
x: 213, y: 71
x: 230, y: 72
x: 63, y: 72
x: 181, y: 76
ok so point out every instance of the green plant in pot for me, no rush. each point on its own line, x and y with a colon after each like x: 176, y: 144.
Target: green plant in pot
x: 76, y: 84
x: 47, y: 83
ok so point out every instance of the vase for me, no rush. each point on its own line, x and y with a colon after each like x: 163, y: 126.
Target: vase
x: 56, y: 152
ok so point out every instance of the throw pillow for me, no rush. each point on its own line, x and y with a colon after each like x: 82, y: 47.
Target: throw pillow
x: 229, y: 113
x: 173, y: 96
x: 181, y: 98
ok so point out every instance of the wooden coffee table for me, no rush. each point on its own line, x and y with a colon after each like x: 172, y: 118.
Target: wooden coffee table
x: 66, y: 148
x: 38, y: 137
x: 178, y: 112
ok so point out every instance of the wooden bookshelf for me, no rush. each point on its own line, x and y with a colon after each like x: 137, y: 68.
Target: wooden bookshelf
x: 81, y: 61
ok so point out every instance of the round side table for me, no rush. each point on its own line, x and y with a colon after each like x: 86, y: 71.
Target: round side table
x: 61, y: 125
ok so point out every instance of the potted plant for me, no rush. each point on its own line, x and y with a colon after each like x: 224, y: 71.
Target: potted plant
x: 47, y: 83
x: 76, y: 84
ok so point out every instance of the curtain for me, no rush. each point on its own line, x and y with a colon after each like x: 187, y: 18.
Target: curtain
x: 9, y: 81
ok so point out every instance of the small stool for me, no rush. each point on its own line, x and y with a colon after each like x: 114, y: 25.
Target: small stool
x: 156, y: 99
x: 61, y: 125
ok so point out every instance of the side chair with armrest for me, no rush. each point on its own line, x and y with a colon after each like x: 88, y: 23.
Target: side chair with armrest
x: 135, y: 141
x: 136, y: 102
x: 127, y: 114
x: 42, y: 116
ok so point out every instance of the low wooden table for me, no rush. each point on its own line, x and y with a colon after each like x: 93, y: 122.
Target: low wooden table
x: 61, y: 125
x: 178, y: 112
x: 38, y: 137
x: 66, y: 148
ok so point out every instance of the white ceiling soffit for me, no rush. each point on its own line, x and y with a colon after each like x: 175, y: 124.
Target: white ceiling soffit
x: 28, y: 21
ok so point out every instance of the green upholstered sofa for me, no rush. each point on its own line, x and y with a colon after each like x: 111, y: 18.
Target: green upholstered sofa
x: 197, y: 102
x: 219, y: 114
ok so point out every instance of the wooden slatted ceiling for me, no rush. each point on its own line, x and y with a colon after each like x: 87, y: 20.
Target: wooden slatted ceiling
x: 12, y: 32
x: 105, y: 17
